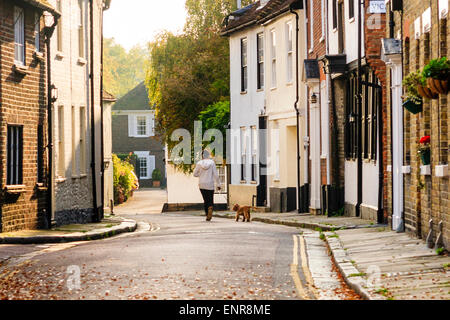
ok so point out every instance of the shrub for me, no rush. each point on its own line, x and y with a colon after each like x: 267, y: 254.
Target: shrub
x: 410, y: 83
x: 156, y: 175
x: 125, y: 180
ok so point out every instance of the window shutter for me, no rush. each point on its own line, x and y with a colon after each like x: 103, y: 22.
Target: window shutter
x: 151, y: 165
x: 148, y: 127
x: 131, y: 125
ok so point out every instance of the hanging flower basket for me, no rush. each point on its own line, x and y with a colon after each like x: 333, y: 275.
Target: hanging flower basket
x: 413, y: 107
x: 437, y: 86
x: 425, y: 92
x: 425, y: 156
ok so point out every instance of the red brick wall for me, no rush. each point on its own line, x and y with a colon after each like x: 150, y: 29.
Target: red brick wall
x: 22, y: 102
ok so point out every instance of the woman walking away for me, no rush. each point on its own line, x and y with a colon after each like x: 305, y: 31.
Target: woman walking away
x: 206, y: 171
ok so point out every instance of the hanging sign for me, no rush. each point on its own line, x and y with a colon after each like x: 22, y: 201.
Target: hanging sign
x: 377, y: 6
x: 443, y: 9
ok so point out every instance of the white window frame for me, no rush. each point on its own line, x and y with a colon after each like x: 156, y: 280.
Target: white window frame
x: 150, y: 161
x: 82, y: 137
x: 37, y: 32
x: 61, y: 169
x: 19, y: 35
x: 260, y: 61
x: 273, y: 56
x: 133, y: 125
x: 244, y: 64
x: 290, y: 52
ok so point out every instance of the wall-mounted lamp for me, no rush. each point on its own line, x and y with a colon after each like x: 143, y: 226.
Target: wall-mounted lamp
x: 54, y: 91
x: 313, y: 98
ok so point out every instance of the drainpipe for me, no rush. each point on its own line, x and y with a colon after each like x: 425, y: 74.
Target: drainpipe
x: 91, y: 76
x: 48, y: 34
x: 102, y: 117
x: 359, y: 108
x: 297, y: 112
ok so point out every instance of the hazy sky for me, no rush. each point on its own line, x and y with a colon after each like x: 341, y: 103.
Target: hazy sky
x: 137, y: 21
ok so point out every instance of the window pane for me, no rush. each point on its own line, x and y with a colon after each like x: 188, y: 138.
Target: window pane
x: 141, y: 126
x: 19, y: 35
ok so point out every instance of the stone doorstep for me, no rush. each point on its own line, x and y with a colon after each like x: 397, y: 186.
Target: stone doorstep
x: 127, y: 225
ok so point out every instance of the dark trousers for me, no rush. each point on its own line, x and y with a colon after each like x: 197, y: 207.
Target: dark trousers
x: 208, y: 198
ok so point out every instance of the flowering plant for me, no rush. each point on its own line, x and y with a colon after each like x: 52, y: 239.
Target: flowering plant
x: 424, y: 145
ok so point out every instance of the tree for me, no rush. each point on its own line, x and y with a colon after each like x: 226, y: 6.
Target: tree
x: 187, y: 73
x: 122, y: 70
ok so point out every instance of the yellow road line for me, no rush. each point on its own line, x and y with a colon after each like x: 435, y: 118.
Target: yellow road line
x: 294, y: 271
x: 305, y: 267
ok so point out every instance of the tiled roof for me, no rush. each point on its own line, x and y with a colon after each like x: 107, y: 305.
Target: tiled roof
x: 136, y: 99
x: 253, y: 14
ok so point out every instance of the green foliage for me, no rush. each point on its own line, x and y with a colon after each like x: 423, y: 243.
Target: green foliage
x: 440, y: 251
x: 188, y: 74
x: 410, y: 83
x: 124, y: 179
x: 437, y: 69
x: 122, y: 70
x: 156, y: 175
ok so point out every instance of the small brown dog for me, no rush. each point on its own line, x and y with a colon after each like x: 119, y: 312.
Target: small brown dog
x: 242, y: 211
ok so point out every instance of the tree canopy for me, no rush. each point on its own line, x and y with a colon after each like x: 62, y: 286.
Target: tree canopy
x: 189, y: 73
x: 123, y: 70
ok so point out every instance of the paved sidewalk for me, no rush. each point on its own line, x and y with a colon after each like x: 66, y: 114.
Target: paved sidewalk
x: 143, y: 201
x: 294, y: 219
x: 382, y: 264
x: 108, y: 227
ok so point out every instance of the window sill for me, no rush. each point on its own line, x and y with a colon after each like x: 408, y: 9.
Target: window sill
x: 276, y: 180
x: 322, y: 38
x: 335, y: 30
x: 253, y: 182
x: 16, y: 189
x: 83, y: 176
x: 351, y: 20
x: 38, y: 55
x: 75, y: 177
x: 273, y: 88
x: 81, y: 61
x: 289, y: 83
x: 260, y: 90
x: 311, y: 50
x: 59, y: 55
x: 244, y: 92
x: 243, y: 182
x: 21, y: 69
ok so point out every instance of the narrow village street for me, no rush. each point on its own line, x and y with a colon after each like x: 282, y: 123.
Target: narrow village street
x: 176, y: 256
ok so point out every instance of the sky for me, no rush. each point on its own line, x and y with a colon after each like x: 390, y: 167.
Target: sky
x: 132, y: 22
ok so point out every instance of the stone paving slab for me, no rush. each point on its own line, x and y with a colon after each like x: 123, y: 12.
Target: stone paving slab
x: 392, y: 265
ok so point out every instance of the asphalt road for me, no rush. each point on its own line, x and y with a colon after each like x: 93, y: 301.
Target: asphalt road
x: 175, y: 256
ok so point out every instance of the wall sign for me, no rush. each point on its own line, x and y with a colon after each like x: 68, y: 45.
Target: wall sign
x: 417, y: 28
x: 426, y: 21
x: 443, y: 9
x: 377, y: 6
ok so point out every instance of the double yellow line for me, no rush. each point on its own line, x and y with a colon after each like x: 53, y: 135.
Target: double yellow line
x: 301, y: 290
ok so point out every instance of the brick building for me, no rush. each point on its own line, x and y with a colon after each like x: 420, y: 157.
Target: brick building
x: 421, y: 30
x: 76, y: 62
x: 23, y: 114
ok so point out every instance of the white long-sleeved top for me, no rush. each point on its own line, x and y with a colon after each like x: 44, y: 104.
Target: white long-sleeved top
x: 206, y: 171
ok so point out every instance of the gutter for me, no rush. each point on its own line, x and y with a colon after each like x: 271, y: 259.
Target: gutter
x: 297, y: 112
x: 91, y: 77
x: 359, y: 111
